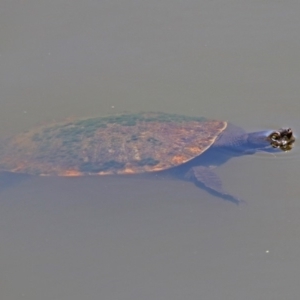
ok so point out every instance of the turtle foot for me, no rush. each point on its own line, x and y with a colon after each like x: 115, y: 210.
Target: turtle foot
x: 206, y: 179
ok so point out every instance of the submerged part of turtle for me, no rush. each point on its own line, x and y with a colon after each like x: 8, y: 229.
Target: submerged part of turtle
x: 187, y: 147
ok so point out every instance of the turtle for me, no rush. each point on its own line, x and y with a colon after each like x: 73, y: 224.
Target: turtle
x: 186, y: 147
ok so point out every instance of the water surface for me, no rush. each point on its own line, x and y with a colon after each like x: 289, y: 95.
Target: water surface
x: 146, y: 238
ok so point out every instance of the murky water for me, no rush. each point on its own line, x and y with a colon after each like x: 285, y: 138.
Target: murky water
x: 145, y: 238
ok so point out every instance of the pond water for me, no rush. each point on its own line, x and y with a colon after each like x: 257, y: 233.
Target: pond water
x: 152, y: 238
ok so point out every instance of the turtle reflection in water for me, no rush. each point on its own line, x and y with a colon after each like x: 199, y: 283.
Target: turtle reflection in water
x: 187, y: 147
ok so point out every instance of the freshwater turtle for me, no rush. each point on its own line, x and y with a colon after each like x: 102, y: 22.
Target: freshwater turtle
x: 187, y: 147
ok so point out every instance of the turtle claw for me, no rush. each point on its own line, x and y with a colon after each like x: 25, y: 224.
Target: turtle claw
x: 233, y: 199
x: 206, y: 179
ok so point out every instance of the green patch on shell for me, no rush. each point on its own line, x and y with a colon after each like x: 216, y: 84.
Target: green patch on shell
x: 72, y: 132
x: 149, y: 161
x: 132, y: 119
x: 90, y: 167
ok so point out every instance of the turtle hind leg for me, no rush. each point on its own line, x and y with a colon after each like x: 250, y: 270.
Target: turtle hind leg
x: 205, y: 178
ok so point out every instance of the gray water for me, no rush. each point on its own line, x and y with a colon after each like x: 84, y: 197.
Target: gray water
x: 148, y: 238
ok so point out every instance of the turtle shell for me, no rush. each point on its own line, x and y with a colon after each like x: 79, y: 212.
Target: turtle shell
x: 122, y: 144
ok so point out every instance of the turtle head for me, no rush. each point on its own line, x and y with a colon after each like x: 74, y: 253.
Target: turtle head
x: 282, y: 139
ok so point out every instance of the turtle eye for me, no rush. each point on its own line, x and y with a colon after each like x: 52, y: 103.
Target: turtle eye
x: 289, y: 133
x: 274, y: 136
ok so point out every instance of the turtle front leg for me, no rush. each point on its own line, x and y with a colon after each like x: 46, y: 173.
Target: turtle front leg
x: 205, y: 178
